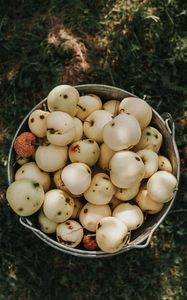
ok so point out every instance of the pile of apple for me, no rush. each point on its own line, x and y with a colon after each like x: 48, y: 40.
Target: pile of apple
x: 91, y: 171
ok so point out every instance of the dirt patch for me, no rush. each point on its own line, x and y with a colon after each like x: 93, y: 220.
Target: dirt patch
x: 77, y: 67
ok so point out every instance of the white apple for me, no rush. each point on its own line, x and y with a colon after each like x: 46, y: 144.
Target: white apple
x: 69, y: 233
x: 126, y: 169
x: 78, y: 129
x: 51, y: 158
x: 146, y: 204
x: 130, y: 215
x: 123, y: 132
x: 77, y: 177
x: 94, y: 123
x: 162, y: 186
x: 46, y: 225
x: 63, y: 98
x: 105, y: 156
x: 37, y: 122
x: 127, y: 194
x: 86, y: 105
x: 164, y: 164
x: 31, y: 171
x: 59, y: 184
x: 101, y: 190
x: 91, y: 214
x: 112, y: 106
x: 111, y: 234
x: 151, y: 138
x: 139, y: 108
x: 60, y: 128
x: 25, y: 196
x: 78, y: 204
x: 86, y: 151
x: 58, y: 206
x: 150, y: 160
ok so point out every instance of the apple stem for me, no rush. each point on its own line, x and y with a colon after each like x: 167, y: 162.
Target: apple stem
x: 45, y: 107
x: 115, y: 110
x: 36, y: 144
x: 15, y: 162
x: 107, y: 169
x: 81, y: 107
x: 90, y: 122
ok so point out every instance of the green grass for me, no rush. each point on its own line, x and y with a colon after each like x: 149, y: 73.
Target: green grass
x: 140, y: 46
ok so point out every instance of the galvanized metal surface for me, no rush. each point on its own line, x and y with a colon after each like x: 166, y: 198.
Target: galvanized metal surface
x: 141, y: 237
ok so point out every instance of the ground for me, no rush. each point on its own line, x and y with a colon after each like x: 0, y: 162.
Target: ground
x: 138, y: 45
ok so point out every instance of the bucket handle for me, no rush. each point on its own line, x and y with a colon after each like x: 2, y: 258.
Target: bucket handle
x: 169, y: 123
x: 28, y: 224
x: 145, y: 243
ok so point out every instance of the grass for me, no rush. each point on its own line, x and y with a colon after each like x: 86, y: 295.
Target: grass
x: 140, y: 46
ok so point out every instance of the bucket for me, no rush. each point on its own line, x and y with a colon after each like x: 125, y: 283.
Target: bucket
x: 141, y: 237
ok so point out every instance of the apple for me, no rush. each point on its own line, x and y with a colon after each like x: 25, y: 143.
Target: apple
x: 112, y: 106
x: 123, y: 132
x: 94, y: 123
x: 31, y: 171
x: 63, y: 98
x: 138, y: 108
x: 101, y: 190
x: 37, y: 122
x: 105, y: 156
x: 111, y: 234
x: 25, y: 144
x: 151, y: 138
x: 88, y: 104
x: 86, y: 151
x: 127, y: 194
x: 60, y: 128
x: 150, y: 160
x: 130, y: 215
x: 78, y: 129
x: 91, y: 214
x: 89, y: 241
x: 46, y: 225
x: 126, y: 169
x: 164, y: 164
x: 59, y: 184
x: 76, y: 177
x: 58, y: 206
x: 145, y: 203
x: 51, y: 158
x: 69, y: 233
x: 78, y: 204
x: 25, y: 196
x: 162, y: 186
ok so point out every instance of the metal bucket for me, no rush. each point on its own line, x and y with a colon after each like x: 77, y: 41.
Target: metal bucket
x: 141, y: 237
